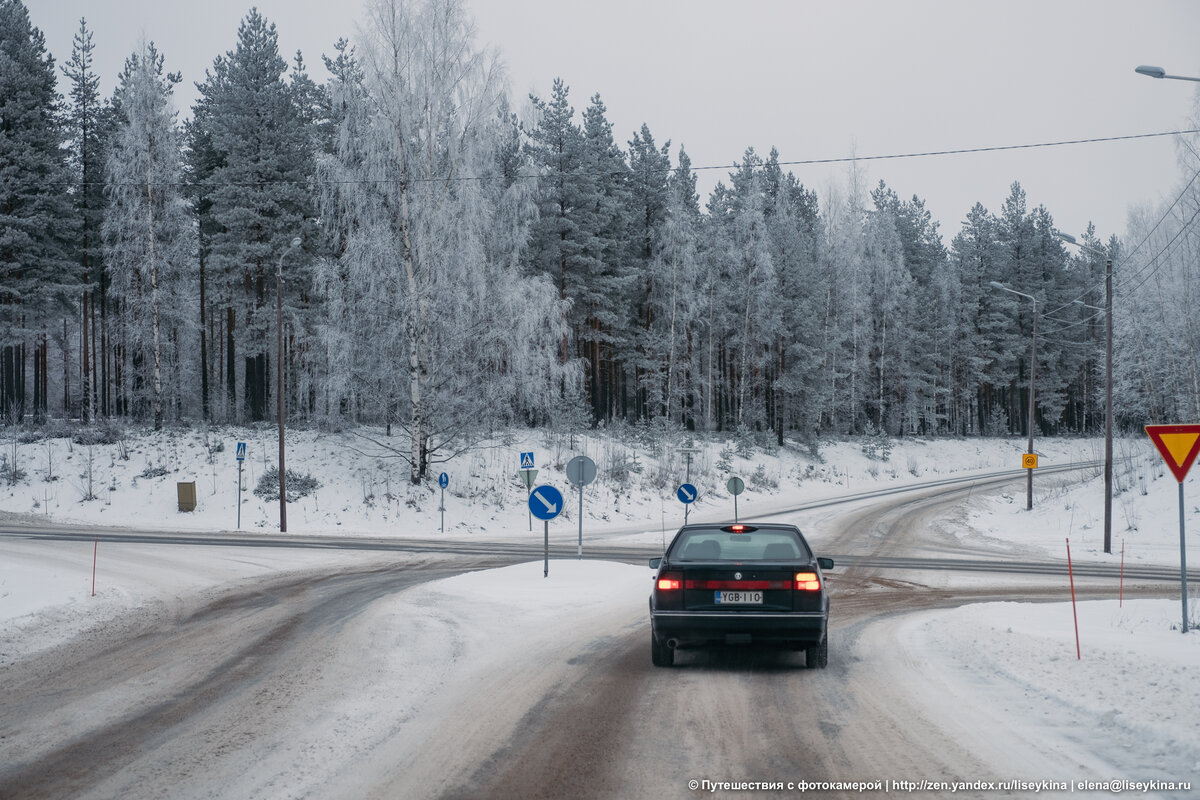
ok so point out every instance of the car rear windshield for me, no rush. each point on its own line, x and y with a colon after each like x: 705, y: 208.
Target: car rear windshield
x: 761, y: 545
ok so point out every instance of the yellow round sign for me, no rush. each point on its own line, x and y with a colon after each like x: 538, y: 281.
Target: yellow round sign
x: 1029, y: 461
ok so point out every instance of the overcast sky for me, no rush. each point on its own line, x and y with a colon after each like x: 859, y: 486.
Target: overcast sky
x: 816, y: 80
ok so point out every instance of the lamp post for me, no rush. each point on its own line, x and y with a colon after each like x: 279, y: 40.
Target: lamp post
x: 1108, y: 382
x: 1032, y: 383
x: 279, y: 380
x: 1159, y: 72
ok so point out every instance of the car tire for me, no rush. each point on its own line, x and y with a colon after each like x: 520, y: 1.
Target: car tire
x: 661, y: 654
x: 817, y: 656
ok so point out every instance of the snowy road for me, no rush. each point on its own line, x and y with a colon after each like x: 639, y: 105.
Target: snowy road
x: 381, y: 676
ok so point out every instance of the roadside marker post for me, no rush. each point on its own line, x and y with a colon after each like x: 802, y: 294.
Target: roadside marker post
x: 1074, y: 612
x: 581, y: 471
x: 1179, y: 446
x: 545, y: 503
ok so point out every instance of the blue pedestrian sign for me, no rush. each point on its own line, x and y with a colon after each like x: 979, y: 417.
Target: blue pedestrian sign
x: 686, y: 493
x: 526, y: 460
x: 443, y: 480
x: 241, y: 451
x: 545, y: 502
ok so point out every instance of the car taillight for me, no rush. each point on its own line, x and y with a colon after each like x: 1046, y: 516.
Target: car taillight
x: 670, y: 581
x: 808, y: 582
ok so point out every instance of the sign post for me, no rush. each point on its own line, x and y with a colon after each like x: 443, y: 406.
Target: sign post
x: 581, y: 471
x: 241, y: 456
x: 528, y: 476
x: 545, y: 503
x: 528, y: 473
x: 687, y: 495
x: 1178, y: 445
x: 443, y: 482
x: 735, y: 486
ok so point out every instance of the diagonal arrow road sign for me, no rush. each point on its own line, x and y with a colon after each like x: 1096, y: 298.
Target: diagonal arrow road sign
x: 551, y: 508
x: 545, y: 502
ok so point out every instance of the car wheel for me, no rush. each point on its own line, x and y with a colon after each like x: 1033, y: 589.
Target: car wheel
x: 661, y: 654
x: 817, y: 656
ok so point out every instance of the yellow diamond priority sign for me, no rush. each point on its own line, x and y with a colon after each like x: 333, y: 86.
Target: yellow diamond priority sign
x: 1178, y: 444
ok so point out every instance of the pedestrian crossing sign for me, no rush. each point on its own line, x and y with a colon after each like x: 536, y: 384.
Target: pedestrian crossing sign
x: 526, y: 460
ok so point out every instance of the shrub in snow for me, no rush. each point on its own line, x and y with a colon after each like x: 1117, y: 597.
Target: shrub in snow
x: 9, y: 473
x: 107, y: 432
x: 876, y: 444
x: 725, y: 460
x: 297, y: 485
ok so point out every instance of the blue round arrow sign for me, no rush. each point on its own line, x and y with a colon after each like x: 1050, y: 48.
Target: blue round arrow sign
x: 443, y: 480
x: 686, y: 494
x: 545, y: 502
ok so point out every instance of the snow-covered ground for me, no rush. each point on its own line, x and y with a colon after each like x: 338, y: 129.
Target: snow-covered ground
x: 1135, y: 682
x: 363, y: 488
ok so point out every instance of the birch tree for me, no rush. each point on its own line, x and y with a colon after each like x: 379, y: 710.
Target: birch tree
x: 407, y: 190
x: 147, y: 232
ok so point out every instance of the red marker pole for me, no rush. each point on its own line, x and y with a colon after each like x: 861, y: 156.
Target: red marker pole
x: 1071, y: 573
x: 95, y: 551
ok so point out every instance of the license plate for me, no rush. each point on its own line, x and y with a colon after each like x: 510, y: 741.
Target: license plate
x: 739, y: 598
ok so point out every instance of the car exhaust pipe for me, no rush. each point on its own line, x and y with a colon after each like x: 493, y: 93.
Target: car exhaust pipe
x: 672, y: 643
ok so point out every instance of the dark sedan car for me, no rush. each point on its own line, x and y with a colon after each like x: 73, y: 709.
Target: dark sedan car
x: 739, y: 585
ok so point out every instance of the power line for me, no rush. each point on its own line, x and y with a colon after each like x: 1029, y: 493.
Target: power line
x: 965, y: 150
x: 734, y: 166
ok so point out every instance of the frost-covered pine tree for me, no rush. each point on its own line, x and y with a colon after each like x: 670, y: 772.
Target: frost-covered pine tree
x: 670, y: 349
x: 259, y: 157
x: 37, y: 278
x: 148, y: 236
x: 87, y: 121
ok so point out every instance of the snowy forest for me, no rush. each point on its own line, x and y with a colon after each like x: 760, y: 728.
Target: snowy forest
x: 448, y: 261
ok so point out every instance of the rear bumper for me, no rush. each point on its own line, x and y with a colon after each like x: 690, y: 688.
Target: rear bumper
x: 703, y: 628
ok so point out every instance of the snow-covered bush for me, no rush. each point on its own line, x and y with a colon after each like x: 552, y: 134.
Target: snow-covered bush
x: 297, y: 485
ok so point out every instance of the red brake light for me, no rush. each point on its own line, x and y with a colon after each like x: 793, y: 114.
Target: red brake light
x: 808, y: 582
x: 670, y: 581
x: 737, y: 528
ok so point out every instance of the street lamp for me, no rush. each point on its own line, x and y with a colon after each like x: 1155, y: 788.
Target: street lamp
x: 1108, y: 380
x: 1032, y: 383
x: 1159, y: 72
x: 279, y: 380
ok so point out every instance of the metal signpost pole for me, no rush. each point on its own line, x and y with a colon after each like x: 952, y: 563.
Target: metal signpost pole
x: 581, y: 471
x: 735, y: 486
x: 443, y: 482
x: 1183, y: 598
x: 241, y: 456
x: 687, y: 495
x: 1179, y: 445
x: 545, y: 503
